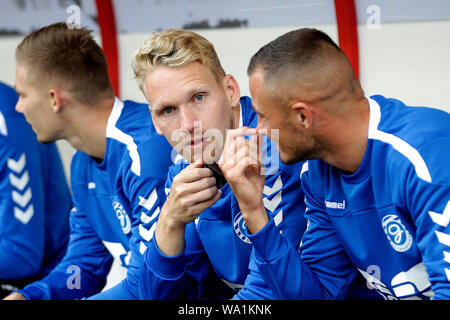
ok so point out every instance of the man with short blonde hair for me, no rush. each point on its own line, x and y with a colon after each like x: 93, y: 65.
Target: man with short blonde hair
x: 193, y: 100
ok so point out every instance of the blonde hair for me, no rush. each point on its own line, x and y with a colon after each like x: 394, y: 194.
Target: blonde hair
x: 175, y: 48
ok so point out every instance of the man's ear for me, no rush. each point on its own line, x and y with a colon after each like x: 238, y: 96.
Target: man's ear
x: 232, y: 89
x: 57, y: 99
x: 158, y: 130
x: 302, y: 113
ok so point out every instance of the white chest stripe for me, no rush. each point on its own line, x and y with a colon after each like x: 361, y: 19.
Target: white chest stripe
x: 3, y: 127
x: 115, y: 133
x: 398, y: 144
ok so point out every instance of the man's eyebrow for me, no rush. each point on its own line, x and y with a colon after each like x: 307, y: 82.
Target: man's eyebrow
x: 189, y: 95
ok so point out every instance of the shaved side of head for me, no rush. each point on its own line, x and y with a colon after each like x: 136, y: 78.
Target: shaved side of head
x: 309, y: 67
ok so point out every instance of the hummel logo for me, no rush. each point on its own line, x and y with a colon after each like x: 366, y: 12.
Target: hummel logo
x: 19, y: 179
x: 335, y: 205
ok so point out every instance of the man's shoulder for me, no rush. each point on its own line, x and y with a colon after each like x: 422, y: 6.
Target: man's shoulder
x: 411, y: 138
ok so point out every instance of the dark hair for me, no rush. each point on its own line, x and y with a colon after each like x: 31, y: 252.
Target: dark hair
x: 69, y: 55
x: 298, y: 48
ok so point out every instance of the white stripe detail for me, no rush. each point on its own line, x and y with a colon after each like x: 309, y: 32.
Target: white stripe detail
x: 443, y: 238
x: 442, y: 219
x: 3, y: 127
x: 17, y: 166
x: 146, y: 219
x: 116, y: 249
x: 447, y: 273
x: 115, y: 133
x: 22, y: 199
x: 447, y: 256
x: 278, y: 184
x: 147, y: 235
x: 150, y: 201
x: 24, y: 216
x: 272, y: 205
x: 19, y: 183
x: 241, y: 118
x: 304, y: 169
x: 278, y: 218
x: 142, y: 247
x: 398, y: 144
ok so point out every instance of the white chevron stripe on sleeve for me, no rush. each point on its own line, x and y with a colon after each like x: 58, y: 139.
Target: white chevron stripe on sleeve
x: 276, y: 187
x: 24, y: 216
x: 272, y: 205
x: 146, y: 219
x: 22, y: 199
x: 19, y: 183
x: 17, y: 166
x: 442, y: 219
x: 150, y: 201
x: 147, y: 235
x: 443, y: 238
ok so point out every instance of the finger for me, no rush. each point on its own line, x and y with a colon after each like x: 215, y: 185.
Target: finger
x: 198, y: 185
x: 239, y: 132
x: 199, y: 197
x: 246, y: 152
x: 234, y: 133
x: 190, y: 174
x: 200, y: 207
x: 196, y: 164
x: 234, y: 141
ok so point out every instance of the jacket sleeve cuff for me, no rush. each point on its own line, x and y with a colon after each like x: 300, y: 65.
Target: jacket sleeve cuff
x: 167, y: 267
x: 31, y: 292
x: 268, y: 243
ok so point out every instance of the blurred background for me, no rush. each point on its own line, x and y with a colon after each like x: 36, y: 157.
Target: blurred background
x: 399, y: 48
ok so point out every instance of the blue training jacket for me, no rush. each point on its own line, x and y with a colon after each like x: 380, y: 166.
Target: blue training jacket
x: 388, y: 221
x: 34, y: 198
x: 116, y: 203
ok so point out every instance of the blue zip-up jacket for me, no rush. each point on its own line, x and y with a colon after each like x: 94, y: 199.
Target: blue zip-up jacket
x: 34, y: 198
x: 388, y: 221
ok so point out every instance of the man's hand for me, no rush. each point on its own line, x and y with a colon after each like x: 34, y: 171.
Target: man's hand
x: 242, y: 166
x: 193, y: 190
x: 15, y: 296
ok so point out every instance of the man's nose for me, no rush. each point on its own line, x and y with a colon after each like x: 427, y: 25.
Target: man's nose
x: 188, y: 120
x: 19, y: 107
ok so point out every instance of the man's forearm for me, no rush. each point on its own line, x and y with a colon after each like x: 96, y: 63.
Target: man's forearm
x: 169, y: 237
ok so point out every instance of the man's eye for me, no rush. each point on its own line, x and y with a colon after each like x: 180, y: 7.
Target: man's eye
x: 198, y: 97
x: 167, y: 110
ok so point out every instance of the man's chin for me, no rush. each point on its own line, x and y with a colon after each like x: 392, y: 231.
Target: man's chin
x: 44, y: 141
x: 290, y: 159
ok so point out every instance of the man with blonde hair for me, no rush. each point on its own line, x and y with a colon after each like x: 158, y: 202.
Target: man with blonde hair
x: 117, y: 174
x: 198, y: 108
